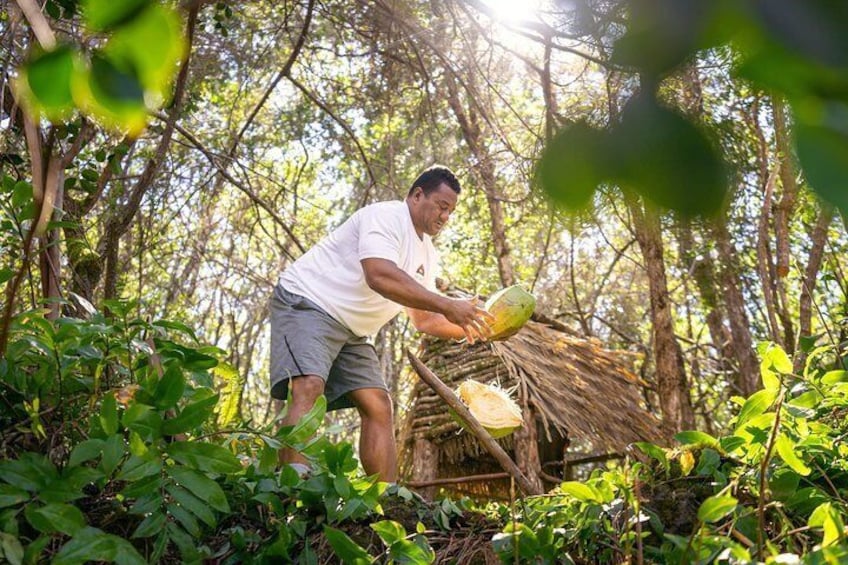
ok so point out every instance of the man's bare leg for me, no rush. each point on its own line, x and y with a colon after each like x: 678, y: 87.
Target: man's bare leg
x: 305, y: 390
x: 377, y: 448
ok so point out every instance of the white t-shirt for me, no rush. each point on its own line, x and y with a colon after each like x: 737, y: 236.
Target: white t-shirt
x: 330, y: 274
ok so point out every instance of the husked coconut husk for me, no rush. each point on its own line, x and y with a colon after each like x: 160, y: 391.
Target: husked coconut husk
x: 512, y: 307
x: 492, y: 406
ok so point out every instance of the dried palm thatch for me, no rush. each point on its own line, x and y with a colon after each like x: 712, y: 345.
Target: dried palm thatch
x: 577, y: 392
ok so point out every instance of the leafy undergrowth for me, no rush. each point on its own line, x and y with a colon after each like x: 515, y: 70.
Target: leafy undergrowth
x: 121, y: 443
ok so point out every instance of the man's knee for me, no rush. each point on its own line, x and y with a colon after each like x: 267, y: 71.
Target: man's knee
x: 306, y: 389
x: 373, y: 404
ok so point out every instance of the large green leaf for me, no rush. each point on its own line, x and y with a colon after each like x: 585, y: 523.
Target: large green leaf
x: 306, y: 426
x: 48, y: 79
x: 581, y: 491
x: 786, y: 450
x: 143, y: 420
x: 664, y: 157
x: 571, y: 166
x: 693, y: 437
x: 92, y: 544
x: 111, y: 91
x: 389, y: 531
x: 756, y: 404
x: 346, y: 549
x: 201, y: 486
x: 11, y: 495
x: 86, y: 451
x: 151, y: 525
x: 170, y: 388
x: 153, y: 42
x: 827, y: 517
x: 102, y: 15
x: 50, y: 518
x: 204, y: 457
x: 716, y: 507
x: 823, y: 153
x: 109, y: 414
x: 192, y: 504
x: 190, y: 417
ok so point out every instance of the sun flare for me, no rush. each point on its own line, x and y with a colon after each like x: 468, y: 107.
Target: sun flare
x: 511, y: 11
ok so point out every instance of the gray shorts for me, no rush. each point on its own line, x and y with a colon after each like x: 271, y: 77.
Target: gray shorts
x: 305, y: 340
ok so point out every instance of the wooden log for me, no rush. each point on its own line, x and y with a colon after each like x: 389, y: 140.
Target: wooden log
x: 458, y: 480
x: 476, y: 428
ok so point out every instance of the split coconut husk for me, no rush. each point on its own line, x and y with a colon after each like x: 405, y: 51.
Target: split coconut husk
x: 492, y: 406
x: 511, y: 307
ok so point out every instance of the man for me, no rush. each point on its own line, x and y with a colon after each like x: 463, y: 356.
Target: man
x: 344, y: 290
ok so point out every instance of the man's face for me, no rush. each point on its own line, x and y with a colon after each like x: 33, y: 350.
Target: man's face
x: 431, y: 212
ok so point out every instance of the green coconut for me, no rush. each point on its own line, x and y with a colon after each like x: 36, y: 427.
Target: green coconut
x: 511, y: 307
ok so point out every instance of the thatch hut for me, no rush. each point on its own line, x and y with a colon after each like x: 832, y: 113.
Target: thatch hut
x: 581, y: 403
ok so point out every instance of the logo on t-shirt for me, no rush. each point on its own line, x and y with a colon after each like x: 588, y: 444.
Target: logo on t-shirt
x: 420, y: 270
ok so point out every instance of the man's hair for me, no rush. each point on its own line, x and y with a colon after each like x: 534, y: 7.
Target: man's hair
x: 433, y: 177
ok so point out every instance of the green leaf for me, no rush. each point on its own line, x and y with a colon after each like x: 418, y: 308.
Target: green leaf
x: 204, y: 457
x: 190, y: 417
x: 786, y: 450
x: 666, y: 158
x: 185, y: 518
x: 143, y: 420
x: 389, y: 531
x: 823, y: 152
x: 308, y: 423
x: 91, y: 544
x: 48, y: 78
x: 834, y: 377
x: 151, y: 525
x: 51, y: 518
x: 716, y: 507
x: 137, y: 468
x: 10, y: 495
x: 103, y: 15
x: 11, y: 548
x: 154, y: 44
x: 696, y: 438
x: 114, y: 450
x: 756, y: 404
x: 827, y: 517
x: 774, y: 357
x: 112, y: 92
x: 571, y: 166
x: 109, y: 414
x: 192, y: 504
x: 86, y: 451
x: 201, y: 486
x: 581, y: 491
x: 30, y: 472
x: 346, y: 549
x: 170, y: 388
x: 178, y: 326
x: 655, y: 452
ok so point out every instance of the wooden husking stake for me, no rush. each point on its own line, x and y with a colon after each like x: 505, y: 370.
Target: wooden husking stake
x: 474, y: 425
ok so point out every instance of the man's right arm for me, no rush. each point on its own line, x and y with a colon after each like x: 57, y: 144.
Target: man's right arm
x: 386, y: 279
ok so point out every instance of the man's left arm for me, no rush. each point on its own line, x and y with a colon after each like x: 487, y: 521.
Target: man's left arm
x: 434, y: 324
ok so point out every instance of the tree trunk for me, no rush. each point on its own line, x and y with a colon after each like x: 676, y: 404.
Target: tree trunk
x: 808, y: 284
x: 469, y: 123
x: 672, y: 384
x: 782, y: 216
x: 748, y: 376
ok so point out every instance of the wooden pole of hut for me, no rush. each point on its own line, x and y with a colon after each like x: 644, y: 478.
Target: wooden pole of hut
x: 474, y: 425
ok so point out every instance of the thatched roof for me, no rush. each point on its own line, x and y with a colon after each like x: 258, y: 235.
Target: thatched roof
x: 578, y: 389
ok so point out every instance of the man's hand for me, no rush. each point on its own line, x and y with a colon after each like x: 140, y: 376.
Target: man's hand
x: 468, y: 315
